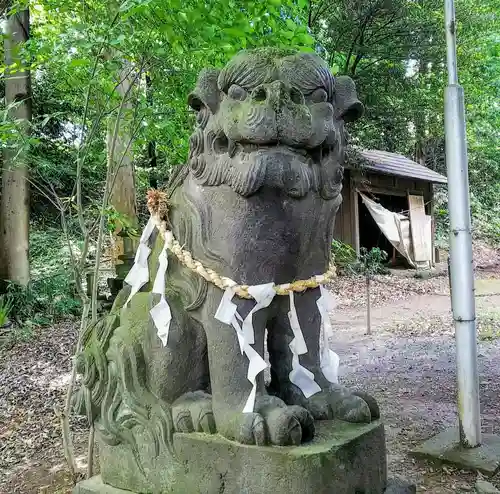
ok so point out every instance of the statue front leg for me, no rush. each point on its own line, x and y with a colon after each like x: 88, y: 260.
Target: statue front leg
x: 331, y: 400
x: 271, y: 421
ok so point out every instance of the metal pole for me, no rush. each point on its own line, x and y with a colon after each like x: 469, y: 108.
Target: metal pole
x: 368, y: 308
x: 461, y: 270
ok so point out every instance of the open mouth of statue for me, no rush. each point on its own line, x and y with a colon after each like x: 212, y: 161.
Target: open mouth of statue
x: 250, y: 148
x: 222, y: 145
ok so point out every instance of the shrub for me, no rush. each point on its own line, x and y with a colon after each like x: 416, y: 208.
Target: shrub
x: 343, y: 255
x: 51, y: 294
x: 373, y: 261
x: 44, y: 300
x: 370, y: 261
x: 5, y: 309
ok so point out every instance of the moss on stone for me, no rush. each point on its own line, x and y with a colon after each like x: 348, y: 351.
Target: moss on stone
x: 343, y: 458
x: 270, y: 53
x: 135, y: 318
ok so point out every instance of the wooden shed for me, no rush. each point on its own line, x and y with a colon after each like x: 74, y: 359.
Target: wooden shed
x: 389, y: 179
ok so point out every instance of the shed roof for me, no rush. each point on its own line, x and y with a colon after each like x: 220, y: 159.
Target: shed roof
x: 397, y: 164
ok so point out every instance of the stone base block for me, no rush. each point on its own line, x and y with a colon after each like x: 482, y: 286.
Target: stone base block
x: 397, y: 486
x: 95, y: 485
x: 342, y: 459
x: 446, y: 448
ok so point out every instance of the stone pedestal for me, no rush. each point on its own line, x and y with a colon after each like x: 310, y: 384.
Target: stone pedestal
x: 342, y: 459
x: 446, y: 448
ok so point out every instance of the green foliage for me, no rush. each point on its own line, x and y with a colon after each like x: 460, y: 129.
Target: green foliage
x: 442, y: 226
x: 489, y: 326
x: 344, y: 256
x: 49, y: 252
x: 373, y: 261
x: 43, y: 301
x: 51, y: 294
x: 396, y: 53
x: 81, y: 49
x: 385, y: 47
x: 118, y: 221
x: 57, y: 297
x: 5, y: 309
x: 370, y: 262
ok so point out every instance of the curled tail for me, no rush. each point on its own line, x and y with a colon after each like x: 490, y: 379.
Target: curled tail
x: 114, y: 394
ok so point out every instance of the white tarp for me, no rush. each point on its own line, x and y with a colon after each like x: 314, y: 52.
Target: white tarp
x: 396, y: 228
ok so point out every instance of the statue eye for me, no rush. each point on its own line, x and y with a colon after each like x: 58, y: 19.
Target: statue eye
x: 237, y: 92
x: 318, y: 96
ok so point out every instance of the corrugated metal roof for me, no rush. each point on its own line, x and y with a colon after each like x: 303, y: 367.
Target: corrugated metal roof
x: 396, y: 164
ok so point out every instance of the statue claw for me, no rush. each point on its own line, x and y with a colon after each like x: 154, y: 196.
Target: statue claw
x: 192, y: 412
x: 371, y: 402
x: 206, y: 423
x: 353, y: 409
x: 253, y: 430
x: 183, y: 421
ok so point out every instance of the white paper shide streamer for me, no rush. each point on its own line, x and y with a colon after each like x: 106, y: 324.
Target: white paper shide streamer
x: 299, y: 375
x: 263, y: 295
x: 329, y: 359
x: 161, y: 313
x: 138, y: 276
x: 227, y: 313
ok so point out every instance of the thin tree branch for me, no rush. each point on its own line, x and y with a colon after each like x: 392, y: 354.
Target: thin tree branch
x: 107, y: 192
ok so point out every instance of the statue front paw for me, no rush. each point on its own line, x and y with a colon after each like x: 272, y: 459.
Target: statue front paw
x: 272, y: 423
x: 335, y: 402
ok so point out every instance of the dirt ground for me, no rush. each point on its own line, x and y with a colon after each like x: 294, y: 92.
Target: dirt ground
x: 408, y: 364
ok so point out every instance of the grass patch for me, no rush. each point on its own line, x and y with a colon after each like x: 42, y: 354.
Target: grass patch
x: 488, y: 325
x: 51, y: 294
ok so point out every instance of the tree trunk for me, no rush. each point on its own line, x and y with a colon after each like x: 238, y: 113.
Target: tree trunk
x: 120, y: 160
x: 14, y: 207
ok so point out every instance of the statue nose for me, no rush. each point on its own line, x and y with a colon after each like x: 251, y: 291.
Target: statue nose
x: 277, y: 94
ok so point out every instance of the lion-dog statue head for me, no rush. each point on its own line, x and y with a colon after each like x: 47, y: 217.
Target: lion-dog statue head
x: 272, y: 118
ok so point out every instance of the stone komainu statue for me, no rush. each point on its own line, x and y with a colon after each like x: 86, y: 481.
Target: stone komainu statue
x: 255, y: 203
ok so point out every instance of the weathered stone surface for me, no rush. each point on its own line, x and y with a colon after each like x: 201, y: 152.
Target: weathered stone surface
x: 397, y: 486
x: 95, y: 485
x: 445, y: 448
x: 256, y: 203
x: 342, y: 459
x: 483, y: 487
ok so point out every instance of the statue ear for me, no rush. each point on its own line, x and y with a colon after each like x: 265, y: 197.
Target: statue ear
x: 206, y: 93
x: 347, y: 105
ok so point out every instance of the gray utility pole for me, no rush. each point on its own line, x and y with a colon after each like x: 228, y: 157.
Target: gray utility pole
x: 461, y: 270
